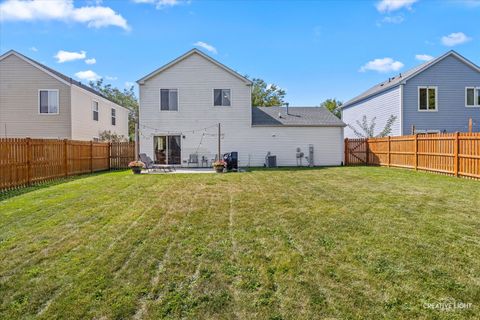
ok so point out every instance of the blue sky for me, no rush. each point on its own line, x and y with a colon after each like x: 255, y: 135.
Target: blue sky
x: 313, y: 49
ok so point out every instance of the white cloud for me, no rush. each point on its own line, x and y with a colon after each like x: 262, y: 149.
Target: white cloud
x: 91, y: 61
x: 455, y: 38
x: 160, y: 4
x: 88, y: 75
x: 471, y: 3
x: 393, y: 5
x: 382, y: 65
x: 34, y: 49
x: 62, y: 10
x: 65, y: 56
x: 128, y: 84
x: 393, y: 19
x: 206, y: 46
x: 111, y: 78
x: 423, y: 57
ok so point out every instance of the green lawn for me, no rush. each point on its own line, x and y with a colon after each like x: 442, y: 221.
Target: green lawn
x: 346, y: 243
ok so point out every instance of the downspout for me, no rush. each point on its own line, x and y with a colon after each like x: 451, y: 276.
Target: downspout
x: 401, y: 108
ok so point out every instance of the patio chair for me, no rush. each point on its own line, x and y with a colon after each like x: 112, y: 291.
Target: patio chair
x: 150, y: 165
x: 204, y: 161
x: 193, y: 158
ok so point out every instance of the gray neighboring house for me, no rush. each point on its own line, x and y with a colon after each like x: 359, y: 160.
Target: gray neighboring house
x: 440, y: 95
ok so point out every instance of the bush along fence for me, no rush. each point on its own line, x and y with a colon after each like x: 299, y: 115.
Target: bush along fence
x: 25, y: 161
x: 455, y: 154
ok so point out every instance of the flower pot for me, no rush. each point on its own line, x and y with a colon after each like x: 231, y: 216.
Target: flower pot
x: 137, y: 170
x: 219, y: 169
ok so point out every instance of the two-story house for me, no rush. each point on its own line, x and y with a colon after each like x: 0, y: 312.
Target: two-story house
x: 441, y: 95
x: 183, y: 103
x: 39, y: 102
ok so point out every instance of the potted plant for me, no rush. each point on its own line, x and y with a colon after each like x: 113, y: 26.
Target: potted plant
x: 136, y: 166
x: 219, y: 166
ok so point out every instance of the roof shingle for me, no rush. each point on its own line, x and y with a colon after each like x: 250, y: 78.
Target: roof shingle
x: 296, y: 117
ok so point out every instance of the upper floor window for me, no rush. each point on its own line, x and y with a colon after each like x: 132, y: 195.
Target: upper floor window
x: 169, y: 99
x: 221, y: 97
x: 472, y: 97
x: 48, y: 101
x: 427, y: 98
x: 114, y: 116
x: 95, y: 110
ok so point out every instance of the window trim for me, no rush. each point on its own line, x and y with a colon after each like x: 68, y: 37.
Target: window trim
x: 436, y: 98
x: 113, y: 117
x: 476, y: 94
x: 98, y: 110
x: 213, y: 98
x: 160, y: 100
x: 58, y: 103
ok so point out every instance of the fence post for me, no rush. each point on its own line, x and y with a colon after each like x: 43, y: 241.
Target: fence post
x: 455, y: 153
x: 389, y: 151
x: 109, y: 156
x: 91, y: 156
x: 346, y: 151
x: 367, y: 151
x: 29, y: 161
x: 65, y: 156
x: 416, y: 151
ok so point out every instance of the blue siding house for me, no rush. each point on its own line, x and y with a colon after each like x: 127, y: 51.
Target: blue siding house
x: 440, y: 95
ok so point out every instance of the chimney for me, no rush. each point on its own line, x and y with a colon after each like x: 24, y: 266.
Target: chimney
x: 286, y: 104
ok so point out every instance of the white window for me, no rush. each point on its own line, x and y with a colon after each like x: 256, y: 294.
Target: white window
x: 95, y: 110
x: 221, y: 97
x: 472, y: 97
x: 48, y: 101
x: 168, y: 99
x: 114, y: 116
x: 427, y: 99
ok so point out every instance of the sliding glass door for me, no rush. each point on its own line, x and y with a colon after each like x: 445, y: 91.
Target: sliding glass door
x: 167, y: 149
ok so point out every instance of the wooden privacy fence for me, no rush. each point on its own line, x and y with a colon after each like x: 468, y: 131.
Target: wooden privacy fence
x: 24, y: 161
x: 455, y: 154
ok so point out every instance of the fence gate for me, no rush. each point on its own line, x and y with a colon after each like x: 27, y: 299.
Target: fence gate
x: 356, y: 152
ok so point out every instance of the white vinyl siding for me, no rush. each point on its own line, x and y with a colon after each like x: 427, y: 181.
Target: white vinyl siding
x: 95, y: 110
x: 48, y: 101
x: 221, y: 97
x: 427, y: 99
x: 83, y: 125
x: 168, y: 99
x: 380, y: 107
x: 472, y: 96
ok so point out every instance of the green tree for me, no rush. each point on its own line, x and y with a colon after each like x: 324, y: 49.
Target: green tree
x: 367, y: 129
x: 266, y: 95
x: 334, y: 106
x: 125, y: 98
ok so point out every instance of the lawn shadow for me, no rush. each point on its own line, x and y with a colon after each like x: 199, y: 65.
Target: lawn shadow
x: 278, y: 169
x: 10, y: 193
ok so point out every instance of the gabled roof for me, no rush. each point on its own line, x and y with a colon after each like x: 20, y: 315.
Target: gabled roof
x: 403, y: 77
x: 57, y: 75
x: 296, y: 117
x: 188, y: 54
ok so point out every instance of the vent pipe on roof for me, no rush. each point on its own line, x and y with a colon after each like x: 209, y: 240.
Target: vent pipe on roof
x: 286, y: 104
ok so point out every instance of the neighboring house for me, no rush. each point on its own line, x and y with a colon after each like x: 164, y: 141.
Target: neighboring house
x: 438, y: 96
x: 39, y: 102
x: 182, y: 103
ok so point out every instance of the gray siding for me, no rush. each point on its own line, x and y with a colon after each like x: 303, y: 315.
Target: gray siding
x: 380, y: 106
x: 450, y: 76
